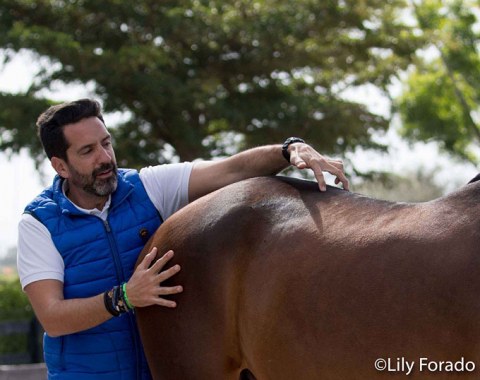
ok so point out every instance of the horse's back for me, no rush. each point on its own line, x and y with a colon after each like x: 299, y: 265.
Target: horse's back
x: 293, y: 283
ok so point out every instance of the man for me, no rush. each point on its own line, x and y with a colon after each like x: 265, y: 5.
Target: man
x: 80, y: 238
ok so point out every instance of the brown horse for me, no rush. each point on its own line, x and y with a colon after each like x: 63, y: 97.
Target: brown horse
x: 283, y: 281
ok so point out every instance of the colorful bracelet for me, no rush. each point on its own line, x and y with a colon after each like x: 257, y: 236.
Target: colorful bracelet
x: 119, y: 302
x: 115, y: 303
x: 125, y: 297
x: 108, y: 301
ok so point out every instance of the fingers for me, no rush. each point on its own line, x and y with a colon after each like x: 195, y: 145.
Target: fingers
x: 335, y: 167
x: 167, y: 291
x: 165, y: 275
x: 295, y: 158
x: 165, y: 302
x: 145, y: 286
x: 149, y: 257
x: 339, y: 173
x: 322, y: 185
x: 341, y: 178
x: 303, y: 156
x: 162, y: 261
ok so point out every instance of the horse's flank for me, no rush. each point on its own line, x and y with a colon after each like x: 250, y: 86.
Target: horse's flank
x: 292, y: 283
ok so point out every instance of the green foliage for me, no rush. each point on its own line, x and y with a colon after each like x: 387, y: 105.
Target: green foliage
x: 14, y: 306
x: 442, y: 96
x: 13, y: 301
x: 22, y: 110
x: 416, y: 186
x: 187, y: 72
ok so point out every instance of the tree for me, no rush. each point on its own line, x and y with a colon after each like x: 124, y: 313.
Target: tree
x: 414, y: 186
x: 441, y: 100
x: 9, y: 259
x: 190, y: 72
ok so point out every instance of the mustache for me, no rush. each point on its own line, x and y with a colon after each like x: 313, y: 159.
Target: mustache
x: 103, y: 168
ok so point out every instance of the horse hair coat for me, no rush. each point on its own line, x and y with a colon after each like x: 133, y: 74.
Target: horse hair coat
x: 282, y: 281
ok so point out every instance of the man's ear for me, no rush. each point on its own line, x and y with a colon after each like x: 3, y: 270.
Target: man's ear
x: 60, y: 167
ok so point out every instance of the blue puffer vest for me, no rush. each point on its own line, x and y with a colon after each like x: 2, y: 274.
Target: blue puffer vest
x: 98, y: 255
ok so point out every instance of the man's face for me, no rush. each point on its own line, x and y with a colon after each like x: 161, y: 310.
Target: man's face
x: 91, y: 164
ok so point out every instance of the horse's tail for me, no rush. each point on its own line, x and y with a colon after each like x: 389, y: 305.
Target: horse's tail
x: 247, y: 375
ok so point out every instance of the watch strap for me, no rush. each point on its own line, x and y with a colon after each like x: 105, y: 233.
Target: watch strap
x: 287, y: 143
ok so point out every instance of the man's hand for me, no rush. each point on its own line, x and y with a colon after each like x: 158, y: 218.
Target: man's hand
x: 144, y: 287
x: 303, y: 156
x: 208, y: 176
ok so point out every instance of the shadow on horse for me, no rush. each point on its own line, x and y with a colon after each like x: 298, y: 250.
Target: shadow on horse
x: 282, y: 281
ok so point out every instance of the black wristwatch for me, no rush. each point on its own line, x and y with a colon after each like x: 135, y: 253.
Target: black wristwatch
x: 285, y: 145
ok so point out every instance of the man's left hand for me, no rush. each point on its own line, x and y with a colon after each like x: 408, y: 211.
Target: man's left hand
x: 303, y: 156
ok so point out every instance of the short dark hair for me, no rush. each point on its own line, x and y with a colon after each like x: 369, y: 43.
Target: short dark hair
x: 51, y: 124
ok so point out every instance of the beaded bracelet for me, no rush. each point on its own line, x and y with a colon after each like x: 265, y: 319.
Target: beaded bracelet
x: 115, y: 302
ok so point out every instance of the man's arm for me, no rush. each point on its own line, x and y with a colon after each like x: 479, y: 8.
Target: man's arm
x: 208, y: 176
x: 59, y: 316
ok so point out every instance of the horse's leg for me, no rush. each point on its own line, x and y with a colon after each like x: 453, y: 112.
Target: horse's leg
x: 189, y: 343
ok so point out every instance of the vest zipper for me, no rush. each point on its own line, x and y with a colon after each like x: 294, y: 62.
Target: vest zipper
x: 121, y: 278
x: 113, y: 247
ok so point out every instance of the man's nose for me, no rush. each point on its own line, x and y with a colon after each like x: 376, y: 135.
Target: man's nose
x: 105, y: 155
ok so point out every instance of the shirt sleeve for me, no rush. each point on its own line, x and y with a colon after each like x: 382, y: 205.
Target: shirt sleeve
x: 167, y: 186
x: 37, y: 256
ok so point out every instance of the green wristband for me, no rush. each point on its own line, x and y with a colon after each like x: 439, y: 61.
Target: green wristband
x: 125, y: 297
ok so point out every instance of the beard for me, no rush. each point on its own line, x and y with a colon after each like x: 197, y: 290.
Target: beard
x: 93, y: 185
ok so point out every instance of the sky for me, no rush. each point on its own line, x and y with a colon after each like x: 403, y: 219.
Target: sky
x: 22, y: 181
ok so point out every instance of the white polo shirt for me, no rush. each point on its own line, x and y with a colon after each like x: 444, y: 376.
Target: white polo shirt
x: 39, y: 259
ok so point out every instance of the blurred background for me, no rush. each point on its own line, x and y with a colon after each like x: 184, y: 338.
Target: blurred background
x: 392, y: 87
